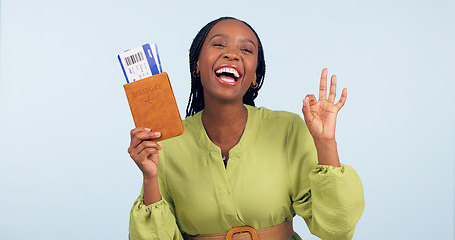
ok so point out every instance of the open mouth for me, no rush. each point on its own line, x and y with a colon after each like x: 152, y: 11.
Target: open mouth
x: 227, y: 75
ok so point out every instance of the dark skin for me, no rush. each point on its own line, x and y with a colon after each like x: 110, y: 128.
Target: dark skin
x: 232, y: 46
x: 229, y: 44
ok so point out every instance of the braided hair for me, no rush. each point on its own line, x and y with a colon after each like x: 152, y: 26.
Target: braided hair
x: 196, y: 100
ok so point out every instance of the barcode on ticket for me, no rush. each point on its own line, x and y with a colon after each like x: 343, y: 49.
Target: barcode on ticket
x: 130, y: 60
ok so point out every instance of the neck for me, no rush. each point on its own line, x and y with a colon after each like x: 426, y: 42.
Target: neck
x: 224, y: 124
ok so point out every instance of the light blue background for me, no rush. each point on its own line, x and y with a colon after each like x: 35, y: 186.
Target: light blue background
x: 64, y: 119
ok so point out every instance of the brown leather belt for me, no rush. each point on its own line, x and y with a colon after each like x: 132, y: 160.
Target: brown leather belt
x: 281, y: 231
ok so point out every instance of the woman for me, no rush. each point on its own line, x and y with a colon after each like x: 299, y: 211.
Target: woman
x: 275, y: 165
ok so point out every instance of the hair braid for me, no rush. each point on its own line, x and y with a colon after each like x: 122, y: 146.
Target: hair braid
x: 196, y: 100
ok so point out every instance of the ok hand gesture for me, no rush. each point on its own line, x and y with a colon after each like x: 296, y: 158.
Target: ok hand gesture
x: 320, y: 115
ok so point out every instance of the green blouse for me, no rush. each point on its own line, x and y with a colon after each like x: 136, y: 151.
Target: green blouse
x: 272, y: 175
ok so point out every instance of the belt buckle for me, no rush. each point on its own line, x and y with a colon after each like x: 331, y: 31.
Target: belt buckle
x: 243, y: 229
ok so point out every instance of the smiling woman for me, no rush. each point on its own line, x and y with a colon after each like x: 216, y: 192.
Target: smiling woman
x: 196, y: 101
x: 275, y: 165
x: 235, y: 52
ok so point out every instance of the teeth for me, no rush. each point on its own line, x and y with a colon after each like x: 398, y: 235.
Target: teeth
x: 227, y: 80
x: 228, y: 70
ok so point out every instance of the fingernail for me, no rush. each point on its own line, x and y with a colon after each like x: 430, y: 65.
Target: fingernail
x: 157, y: 134
x: 148, y: 129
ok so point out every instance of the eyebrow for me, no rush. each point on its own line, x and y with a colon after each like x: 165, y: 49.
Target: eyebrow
x: 226, y: 36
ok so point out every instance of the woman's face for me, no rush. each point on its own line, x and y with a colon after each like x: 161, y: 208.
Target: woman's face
x: 227, y: 61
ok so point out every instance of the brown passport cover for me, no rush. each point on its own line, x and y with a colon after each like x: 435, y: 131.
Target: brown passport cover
x: 153, y: 105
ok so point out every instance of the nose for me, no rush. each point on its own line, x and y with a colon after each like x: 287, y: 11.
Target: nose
x: 231, y: 54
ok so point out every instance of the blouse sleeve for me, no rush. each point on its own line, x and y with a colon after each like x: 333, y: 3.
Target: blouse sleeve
x: 330, y: 199
x: 155, y: 221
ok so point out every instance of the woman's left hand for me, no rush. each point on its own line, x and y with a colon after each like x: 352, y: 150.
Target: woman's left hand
x: 320, y: 115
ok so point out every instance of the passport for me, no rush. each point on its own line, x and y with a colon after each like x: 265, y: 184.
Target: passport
x: 149, y: 92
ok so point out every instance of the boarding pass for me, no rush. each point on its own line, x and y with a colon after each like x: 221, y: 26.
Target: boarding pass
x: 141, y: 62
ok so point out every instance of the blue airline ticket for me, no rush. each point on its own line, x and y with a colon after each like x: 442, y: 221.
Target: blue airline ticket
x: 141, y: 62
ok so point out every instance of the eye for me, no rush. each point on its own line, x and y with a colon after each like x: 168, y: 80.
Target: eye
x: 246, y: 50
x: 218, y: 45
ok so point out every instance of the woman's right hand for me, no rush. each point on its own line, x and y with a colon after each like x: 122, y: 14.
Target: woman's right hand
x: 144, y: 151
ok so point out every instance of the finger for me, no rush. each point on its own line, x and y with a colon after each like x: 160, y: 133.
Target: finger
x: 145, y: 145
x: 323, y: 85
x: 146, y: 155
x: 344, y: 95
x: 139, y: 129
x: 145, y: 135
x: 140, y: 136
x: 152, y: 154
x: 333, y: 89
x: 312, y: 99
x: 134, y: 132
x: 307, y: 115
x: 148, y: 152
